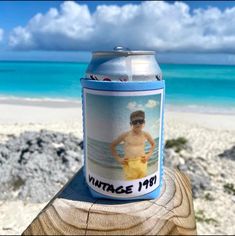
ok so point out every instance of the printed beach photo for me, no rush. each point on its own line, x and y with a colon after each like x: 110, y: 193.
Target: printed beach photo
x: 45, y: 50
x: 123, y: 134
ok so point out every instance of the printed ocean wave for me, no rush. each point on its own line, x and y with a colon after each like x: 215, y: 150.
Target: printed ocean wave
x: 100, y: 152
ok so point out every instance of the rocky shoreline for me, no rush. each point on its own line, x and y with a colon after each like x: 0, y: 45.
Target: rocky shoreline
x: 209, y: 160
x: 205, y: 153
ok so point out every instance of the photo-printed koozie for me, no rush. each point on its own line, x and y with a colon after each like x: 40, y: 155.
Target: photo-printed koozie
x: 123, y: 138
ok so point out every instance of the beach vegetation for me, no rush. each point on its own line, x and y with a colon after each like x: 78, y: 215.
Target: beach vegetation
x: 229, y: 188
x: 177, y: 144
x: 201, y: 217
x: 17, y: 183
x: 209, y: 197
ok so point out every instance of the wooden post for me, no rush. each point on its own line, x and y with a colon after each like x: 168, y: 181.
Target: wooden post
x: 74, y: 212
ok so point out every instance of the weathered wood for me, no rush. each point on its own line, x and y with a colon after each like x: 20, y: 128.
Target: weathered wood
x: 74, y: 212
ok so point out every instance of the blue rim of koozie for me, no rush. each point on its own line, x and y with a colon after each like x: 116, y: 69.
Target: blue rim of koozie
x: 124, y: 86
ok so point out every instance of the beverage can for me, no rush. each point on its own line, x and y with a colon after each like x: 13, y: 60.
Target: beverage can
x: 123, y: 109
x: 123, y: 65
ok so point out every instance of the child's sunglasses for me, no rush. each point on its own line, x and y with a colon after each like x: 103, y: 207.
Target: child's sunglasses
x: 135, y: 122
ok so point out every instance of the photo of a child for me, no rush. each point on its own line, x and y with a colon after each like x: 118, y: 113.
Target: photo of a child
x: 123, y: 135
x: 134, y: 162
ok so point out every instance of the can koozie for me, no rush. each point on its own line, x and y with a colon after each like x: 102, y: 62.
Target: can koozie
x: 123, y: 138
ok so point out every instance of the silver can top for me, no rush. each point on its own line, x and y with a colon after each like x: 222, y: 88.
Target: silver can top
x: 124, y: 65
x: 123, y: 51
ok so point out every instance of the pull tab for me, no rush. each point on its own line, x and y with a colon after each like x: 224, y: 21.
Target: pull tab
x: 120, y: 48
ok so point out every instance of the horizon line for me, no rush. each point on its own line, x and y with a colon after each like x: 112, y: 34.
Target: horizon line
x: 74, y: 61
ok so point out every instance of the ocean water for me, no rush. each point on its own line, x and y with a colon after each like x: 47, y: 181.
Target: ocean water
x: 100, y: 152
x: 192, y: 87
x: 200, y: 86
x: 54, y: 80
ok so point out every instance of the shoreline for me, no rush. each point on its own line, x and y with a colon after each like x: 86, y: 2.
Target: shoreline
x: 48, y: 102
x: 42, y: 102
x: 69, y: 113
x: 199, y: 109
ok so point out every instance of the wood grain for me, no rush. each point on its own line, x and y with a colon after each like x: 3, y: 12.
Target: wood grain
x: 74, y: 212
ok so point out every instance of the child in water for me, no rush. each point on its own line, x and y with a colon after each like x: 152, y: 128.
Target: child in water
x: 135, y: 159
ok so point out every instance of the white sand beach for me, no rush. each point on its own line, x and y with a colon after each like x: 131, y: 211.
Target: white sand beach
x: 208, y: 135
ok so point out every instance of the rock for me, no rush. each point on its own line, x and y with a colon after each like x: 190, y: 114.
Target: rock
x: 223, y: 175
x: 229, y: 153
x: 233, y: 199
x: 81, y: 145
x: 35, y: 165
x: 186, y: 153
x: 213, y: 172
x: 181, y: 161
x: 171, y: 158
x: 200, y: 179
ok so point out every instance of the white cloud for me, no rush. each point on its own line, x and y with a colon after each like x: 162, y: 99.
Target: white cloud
x: 155, y: 126
x: 1, y: 34
x: 151, y: 25
x: 151, y: 103
x: 133, y: 106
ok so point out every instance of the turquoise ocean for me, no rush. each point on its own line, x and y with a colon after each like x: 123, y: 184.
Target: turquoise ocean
x: 206, y: 88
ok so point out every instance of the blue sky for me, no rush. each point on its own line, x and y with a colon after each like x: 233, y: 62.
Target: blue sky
x: 110, y: 116
x: 180, y: 32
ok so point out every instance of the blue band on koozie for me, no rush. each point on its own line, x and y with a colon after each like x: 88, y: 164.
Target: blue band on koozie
x: 122, y: 86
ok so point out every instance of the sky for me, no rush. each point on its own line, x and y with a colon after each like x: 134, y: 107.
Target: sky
x: 179, y: 31
x: 115, y: 116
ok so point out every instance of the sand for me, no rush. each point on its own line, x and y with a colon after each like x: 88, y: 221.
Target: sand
x: 61, y: 116
x: 209, y: 135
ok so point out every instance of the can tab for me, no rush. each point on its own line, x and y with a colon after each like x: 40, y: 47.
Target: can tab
x: 120, y: 48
